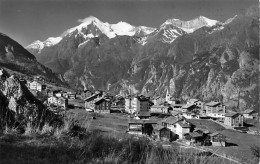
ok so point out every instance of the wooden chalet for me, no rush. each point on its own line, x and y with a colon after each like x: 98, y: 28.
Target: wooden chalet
x: 233, y: 119
x: 141, y: 127
x: 163, y: 133
x: 102, y: 105
x: 218, y: 139
x: 90, y: 101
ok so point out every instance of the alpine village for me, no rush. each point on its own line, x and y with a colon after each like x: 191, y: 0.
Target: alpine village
x: 142, y: 105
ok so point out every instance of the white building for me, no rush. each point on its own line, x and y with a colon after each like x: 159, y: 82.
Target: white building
x: 177, y: 125
x: 37, y: 86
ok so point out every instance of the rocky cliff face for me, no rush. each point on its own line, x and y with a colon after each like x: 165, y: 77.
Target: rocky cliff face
x: 18, y: 106
x: 216, y: 61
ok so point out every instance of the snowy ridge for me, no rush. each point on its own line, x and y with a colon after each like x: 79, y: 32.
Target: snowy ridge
x: 192, y: 25
x: 97, y: 27
x: 39, y: 45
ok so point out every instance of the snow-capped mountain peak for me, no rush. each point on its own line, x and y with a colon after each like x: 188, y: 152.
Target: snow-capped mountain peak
x: 192, y: 25
x: 123, y: 28
x: 39, y: 45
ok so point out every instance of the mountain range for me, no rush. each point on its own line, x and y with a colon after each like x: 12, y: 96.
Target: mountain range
x: 200, y: 58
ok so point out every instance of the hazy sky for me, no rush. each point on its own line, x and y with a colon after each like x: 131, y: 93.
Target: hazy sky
x: 28, y: 20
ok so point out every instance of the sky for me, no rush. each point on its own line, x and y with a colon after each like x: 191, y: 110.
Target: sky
x: 28, y: 20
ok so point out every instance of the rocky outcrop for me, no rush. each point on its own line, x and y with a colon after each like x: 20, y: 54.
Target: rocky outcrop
x: 18, y: 105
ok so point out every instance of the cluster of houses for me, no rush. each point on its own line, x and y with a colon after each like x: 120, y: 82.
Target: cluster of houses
x: 173, y: 128
x: 101, y: 102
x: 55, y: 97
x: 177, y: 125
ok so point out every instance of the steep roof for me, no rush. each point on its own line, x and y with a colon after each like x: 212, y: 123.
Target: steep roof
x: 213, y: 103
x: 248, y: 111
x: 187, y: 106
x: 231, y: 114
x: 184, y: 124
x: 195, y: 134
x: 171, y: 120
x: 90, y: 98
x: 193, y: 100
x: 102, y: 99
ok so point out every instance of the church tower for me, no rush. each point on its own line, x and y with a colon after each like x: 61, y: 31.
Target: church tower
x: 168, y: 96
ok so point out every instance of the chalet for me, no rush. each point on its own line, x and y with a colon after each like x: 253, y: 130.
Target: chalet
x: 119, y: 102
x: 89, y: 101
x: 215, y: 110
x: 141, y: 127
x: 188, y: 107
x: 182, y: 127
x: 37, y: 86
x: 102, y: 105
x: 158, y: 100
x: 178, y: 126
x: 233, y: 119
x: 198, y: 137
x: 194, y: 137
x: 250, y: 114
x: 218, y: 139
x: 196, y: 102
x: 163, y: 133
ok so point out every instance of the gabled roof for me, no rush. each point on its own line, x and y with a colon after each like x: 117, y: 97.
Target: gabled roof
x: 193, y: 100
x: 201, y: 130
x: 90, y: 97
x: 187, y: 106
x: 171, y: 120
x: 231, y: 114
x: 184, y: 124
x: 195, y: 134
x: 174, y: 112
x: 213, y: 103
x: 102, y: 99
x: 248, y: 111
